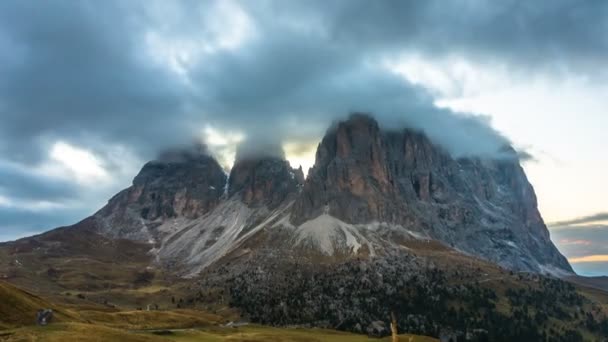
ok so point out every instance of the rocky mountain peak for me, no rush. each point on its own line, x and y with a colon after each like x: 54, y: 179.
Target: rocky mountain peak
x: 180, y: 183
x: 363, y: 174
x: 185, y: 187
x: 264, y: 181
x: 485, y: 206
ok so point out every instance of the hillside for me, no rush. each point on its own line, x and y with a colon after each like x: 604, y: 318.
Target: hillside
x: 431, y: 288
x: 19, y: 307
x: 75, y: 332
x: 83, y: 323
x: 600, y: 283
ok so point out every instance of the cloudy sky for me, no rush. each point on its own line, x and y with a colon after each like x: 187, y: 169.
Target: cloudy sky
x: 90, y: 90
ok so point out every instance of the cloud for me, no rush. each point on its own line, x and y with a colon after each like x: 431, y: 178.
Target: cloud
x: 21, y: 183
x: 555, y: 36
x: 589, y: 258
x: 581, y: 220
x: 74, y: 71
x: 576, y: 242
x: 570, y: 239
x: 141, y: 76
x: 293, y: 82
x: 582, y: 245
x: 591, y: 265
x: 146, y: 74
x: 15, y: 222
x: 525, y: 156
x: 68, y: 185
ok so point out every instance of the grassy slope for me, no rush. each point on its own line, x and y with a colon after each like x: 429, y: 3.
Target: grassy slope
x: 138, y: 320
x: 95, y: 323
x: 72, y: 332
x: 19, y: 307
x: 600, y: 283
x: 63, y: 263
x: 60, y: 332
x: 69, y: 258
x: 58, y: 263
x: 259, y: 333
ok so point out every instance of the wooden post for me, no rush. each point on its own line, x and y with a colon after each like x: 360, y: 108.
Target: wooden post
x: 394, y: 327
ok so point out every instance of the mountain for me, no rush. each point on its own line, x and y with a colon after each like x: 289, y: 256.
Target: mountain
x: 191, y: 212
x: 403, y: 183
x: 178, y: 185
x: 385, y: 222
x: 369, y: 190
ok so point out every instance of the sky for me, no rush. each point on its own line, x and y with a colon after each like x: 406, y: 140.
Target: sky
x: 91, y: 90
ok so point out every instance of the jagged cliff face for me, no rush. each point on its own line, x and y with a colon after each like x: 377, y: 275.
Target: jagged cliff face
x: 187, y: 186
x: 485, y: 207
x: 369, y: 192
x: 264, y: 182
x: 192, y: 212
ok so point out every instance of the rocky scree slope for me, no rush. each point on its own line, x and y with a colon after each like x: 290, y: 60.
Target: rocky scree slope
x: 193, y: 213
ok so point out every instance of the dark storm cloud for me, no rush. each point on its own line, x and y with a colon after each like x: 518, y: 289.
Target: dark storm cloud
x: 559, y: 34
x: 76, y: 70
x: 84, y: 72
x: 294, y: 83
x: 21, y: 184
x: 73, y: 70
x: 315, y: 61
x: 18, y: 222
